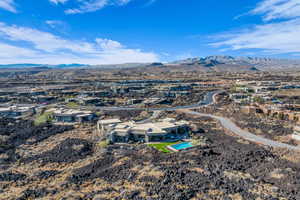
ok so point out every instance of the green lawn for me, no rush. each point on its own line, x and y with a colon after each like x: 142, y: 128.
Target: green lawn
x: 73, y: 105
x: 163, y: 146
x: 43, y: 118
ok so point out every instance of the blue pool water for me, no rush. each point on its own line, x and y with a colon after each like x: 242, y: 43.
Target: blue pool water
x: 181, y: 146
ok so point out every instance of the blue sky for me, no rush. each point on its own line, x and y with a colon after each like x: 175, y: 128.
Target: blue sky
x: 120, y: 31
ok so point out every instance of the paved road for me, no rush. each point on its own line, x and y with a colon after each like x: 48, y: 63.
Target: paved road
x: 229, y: 125
x: 208, y: 99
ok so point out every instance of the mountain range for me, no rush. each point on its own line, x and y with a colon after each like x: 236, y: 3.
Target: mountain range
x: 210, y: 63
x: 251, y: 62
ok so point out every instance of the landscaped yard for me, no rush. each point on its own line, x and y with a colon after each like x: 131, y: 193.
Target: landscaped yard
x: 73, y: 105
x: 163, y: 146
x: 43, y: 118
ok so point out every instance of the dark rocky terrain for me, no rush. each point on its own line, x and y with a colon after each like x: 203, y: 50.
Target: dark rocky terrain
x: 15, y: 133
x: 70, y: 165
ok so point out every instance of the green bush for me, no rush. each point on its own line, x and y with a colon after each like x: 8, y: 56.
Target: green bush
x: 103, y: 144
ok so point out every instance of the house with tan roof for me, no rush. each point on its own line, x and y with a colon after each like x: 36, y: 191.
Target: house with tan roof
x: 162, y: 130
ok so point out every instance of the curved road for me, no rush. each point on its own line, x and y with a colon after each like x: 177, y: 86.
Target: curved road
x: 225, y: 122
x: 208, y: 99
x: 229, y: 125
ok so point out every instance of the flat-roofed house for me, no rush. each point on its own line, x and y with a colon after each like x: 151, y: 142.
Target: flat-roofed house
x: 72, y: 116
x: 167, y: 129
x: 16, y: 111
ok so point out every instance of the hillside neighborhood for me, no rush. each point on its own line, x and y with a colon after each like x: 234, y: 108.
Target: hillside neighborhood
x: 127, y: 137
x: 149, y: 100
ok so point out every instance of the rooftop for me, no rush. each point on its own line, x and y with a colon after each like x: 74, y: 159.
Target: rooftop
x: 109, y: 121
x: 150, y: 127
x: 71, y: 112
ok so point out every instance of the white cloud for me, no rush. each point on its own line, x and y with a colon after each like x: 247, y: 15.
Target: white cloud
x: 7, y: 50
x: 50, y: 22
x: 42, y: 40
x: 8, y: 5
x: 58, y: 1
x: 88, y: 6
x: 278, y: 9
x: 105, y: 57
x: 54, y: 23
x: 44, y: 47
x: 282, y: 37
x: 94, y: 5
x: 273, y: 37
x: 108, y: 44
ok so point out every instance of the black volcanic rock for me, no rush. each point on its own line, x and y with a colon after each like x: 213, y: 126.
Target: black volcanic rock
x: 70, y: 150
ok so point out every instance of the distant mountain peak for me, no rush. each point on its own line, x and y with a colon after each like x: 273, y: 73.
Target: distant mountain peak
x: 255, y: 62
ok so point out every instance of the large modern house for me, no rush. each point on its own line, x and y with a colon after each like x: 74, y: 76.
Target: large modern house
x: 72, y: 116
x: 16, y: 111
x: 163, y: 130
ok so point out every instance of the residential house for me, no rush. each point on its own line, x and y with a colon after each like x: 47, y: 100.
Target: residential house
x: 16, y: 111
x: 44, y: 99
x: 72, y: 116
x: 163, y: 130
x: 90, y: 101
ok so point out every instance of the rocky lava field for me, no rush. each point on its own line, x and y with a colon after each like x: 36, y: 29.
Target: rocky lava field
x: 60, y: 162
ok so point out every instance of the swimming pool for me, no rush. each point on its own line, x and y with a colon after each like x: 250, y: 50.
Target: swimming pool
x: 181, y: 146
